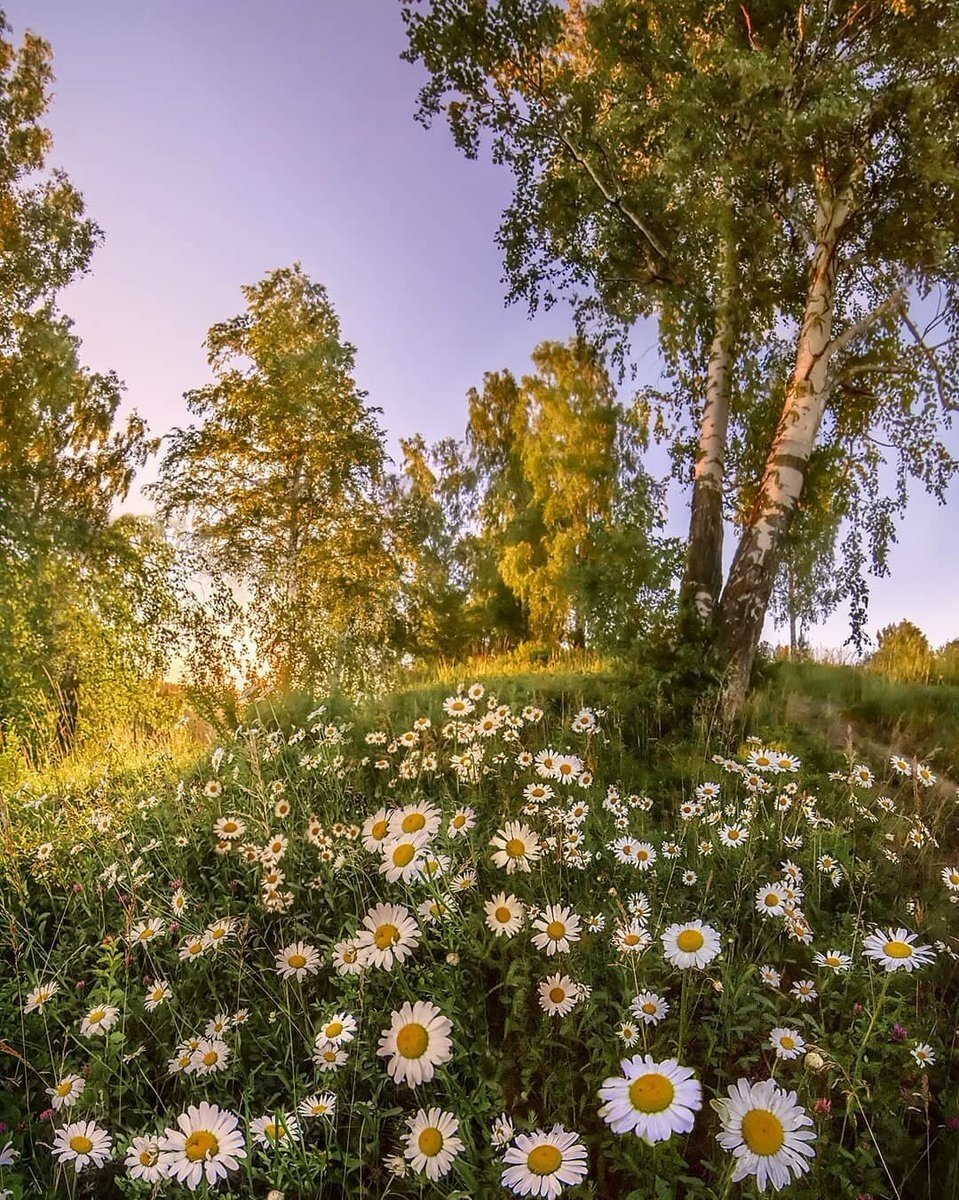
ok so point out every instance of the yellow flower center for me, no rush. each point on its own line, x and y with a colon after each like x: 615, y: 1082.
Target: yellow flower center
x: 503, y: 915
x: 651, y: 1093
x: 412, y: 1040
x: 379, y: 830
x: 690, y: 940
x: 771, y: 900
x: 273, y: 1131
x: 96, y: 1016
x: 296, y: 961
x: 763, y: 1132
x: 211, y: 1058
x: 148, y: 1158
x: 80, y: 1144
x: 413, y: 821
x: 953, y: 877
x: 65, y: 1088
x: 555, y: 930
x: 460, y: 820
x: 516, y: 847
x: 430, y: 1142
x: 557, y: 995
x: 632, y: 939
x: 733, y: 834
x: 385, y: 936
x: 195, y: 947
x: 544, y: 1160
x: 201, y: 1146
x: 649, y: 1008
x: 349, y: 955
x: 229, y: 826
x: 403, y: 855
x: 896, y: 949
x: 147, y: 933
x: 334, y: 1029
x: 787, y: 1042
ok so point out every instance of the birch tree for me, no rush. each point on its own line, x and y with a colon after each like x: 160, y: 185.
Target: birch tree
x: 747, y: 175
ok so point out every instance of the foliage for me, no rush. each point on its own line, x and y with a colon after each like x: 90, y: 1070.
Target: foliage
x: 281, y: 486
x: 904, y: 654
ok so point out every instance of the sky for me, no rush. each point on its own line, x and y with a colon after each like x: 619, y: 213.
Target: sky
x: 216, y: 141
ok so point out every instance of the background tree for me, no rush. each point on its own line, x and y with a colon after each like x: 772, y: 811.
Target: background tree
x: 904, y: 654
x: 65, y: 460
x: 282, y: 486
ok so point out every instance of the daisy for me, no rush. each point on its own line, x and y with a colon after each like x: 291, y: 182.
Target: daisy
x: 217, y: 1026
x: 804, y: 990
x: 504, y: 914
x: 733, y: 835
x: 432, y: 1144
x: 649, y: 1008
x: 558, y: 995
x: 896, y: 950
x: 461, y: 822
x: 403, y: 856
x: 861, y: 776
x: 219, y: 932
x: 82, y: 1143
x: 297, y: 961
x: 690, y: 945
x: 210, y: 1056
x: 146, y: 931
x: 457, y: 706
x: 924, y: 1055
x: 771, y: 900
x: 41, y: 995
x: 835, y: 960
x: 950, y: 877
x: 99, y: 1021
x: 502, y: 1131
x: 416, y: 1043
x: 156, y: 994
x: 375, y: 831
x: 542, y: 1164
x: 924, y: 775
x: 653, y: 1100
x: 632, y: 937
x: 558, y: 927
x: 787, y: 1043
x: 643, y: 855
x: 328, y: 1057
x: 228, y: 829
x: 339, y: 1029
x: 346, y: 957
x: 143, y: 1159
x: 274, y: 1130
x: 66, y: 1092
x: 628, y: 1033
x: 516, y: 846
x: 901, y: 766
x: 389, y: 936
x: 767, y: 1132
x: 322, y: 1104
x: 208, y: 1143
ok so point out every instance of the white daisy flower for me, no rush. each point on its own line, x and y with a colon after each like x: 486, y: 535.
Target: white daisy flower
x: 897, y: 950
x: 649, y: 1007
x: 156, y: 994
x: 320, y: 1104
x: 691, y: 944
x: 416, y: 1043
x: 143, y: 1159
x: 767, y: 1132
x: 558, y: 927
x: 504, y: 914
x: 66, y: 1091
x: 652, y: 1099
x: 338, y: 1029
x: 515, y: 847
x: 542, y: 1164
x: 82, y: 1143
x: 558, y: 995
x: 389, y: 936
x: 297, y: 960
x: 787, y: 1043
x: 99, y: 1020
x: 207, y: 1143
x: 273, y: 1130
x: 432, y: 1144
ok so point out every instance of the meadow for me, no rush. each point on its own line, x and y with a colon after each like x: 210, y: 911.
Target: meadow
x: 495, y: 937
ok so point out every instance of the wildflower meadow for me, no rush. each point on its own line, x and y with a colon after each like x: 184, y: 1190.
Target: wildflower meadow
x: 487, y: 949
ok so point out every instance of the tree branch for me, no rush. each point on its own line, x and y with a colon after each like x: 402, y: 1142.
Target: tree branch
x: 929, y: 354
x: 891, y: 304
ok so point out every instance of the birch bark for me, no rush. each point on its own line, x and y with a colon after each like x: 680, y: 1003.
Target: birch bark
x: 745, y: 597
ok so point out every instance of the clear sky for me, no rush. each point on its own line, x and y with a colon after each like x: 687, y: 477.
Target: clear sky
x: 216, y: 140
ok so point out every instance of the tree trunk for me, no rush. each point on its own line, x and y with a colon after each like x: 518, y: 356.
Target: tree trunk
x: 703, y: 575
x: 753, y: 572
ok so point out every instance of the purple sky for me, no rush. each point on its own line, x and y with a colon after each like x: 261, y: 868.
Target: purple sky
x: 215, y: 141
